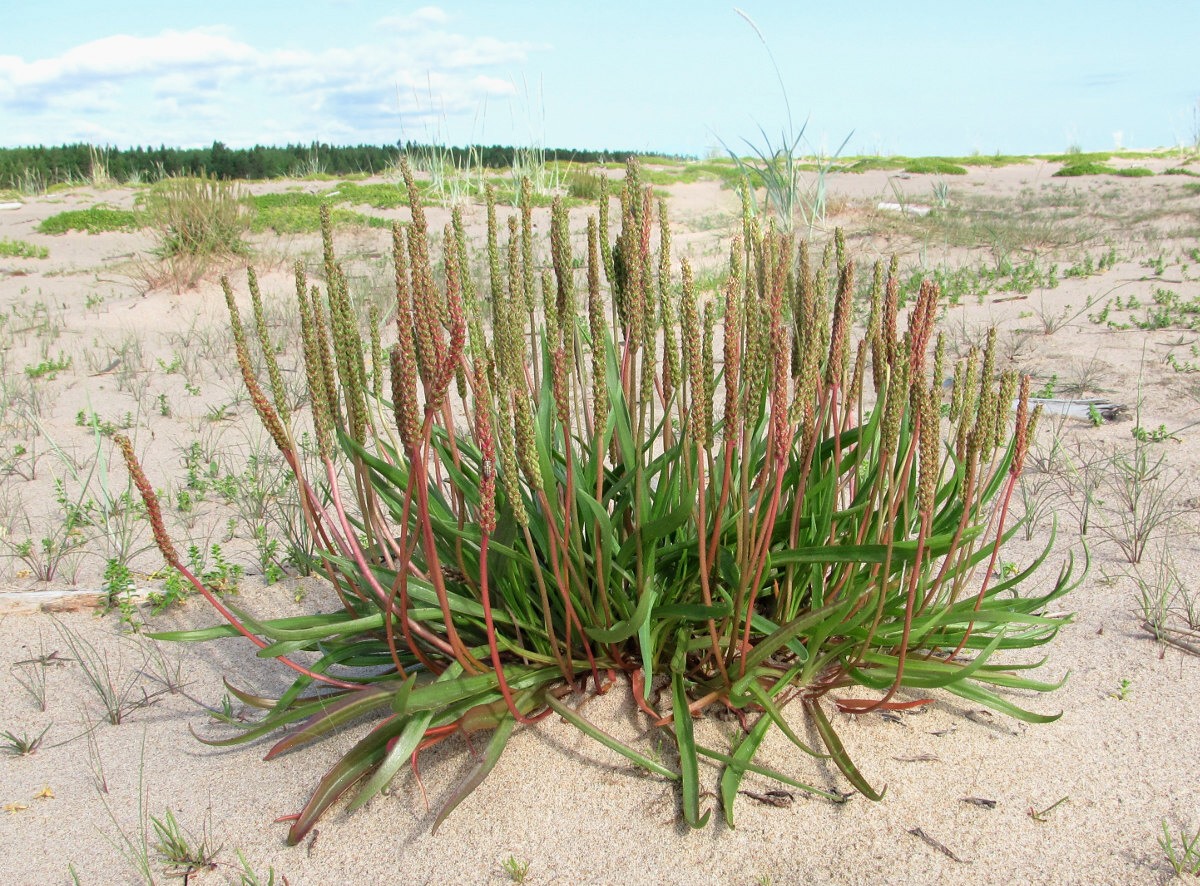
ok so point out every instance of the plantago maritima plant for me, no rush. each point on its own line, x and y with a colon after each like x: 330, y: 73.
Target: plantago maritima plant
x: 556, y: 493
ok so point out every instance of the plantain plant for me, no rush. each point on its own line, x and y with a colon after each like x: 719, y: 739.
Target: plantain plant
x: 573, y: 478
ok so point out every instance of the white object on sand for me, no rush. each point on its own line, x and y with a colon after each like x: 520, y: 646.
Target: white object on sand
x: 1081, y: 409
x: 11, y: 205
x: 906, y: 208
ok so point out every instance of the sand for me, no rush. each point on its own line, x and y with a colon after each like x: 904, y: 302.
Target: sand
x: 1117, y: 762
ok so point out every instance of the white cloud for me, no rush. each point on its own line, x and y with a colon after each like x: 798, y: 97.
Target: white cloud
x: 189, y: 87
x: 418, y: 20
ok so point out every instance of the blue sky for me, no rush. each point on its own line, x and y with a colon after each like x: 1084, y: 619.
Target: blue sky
x: 909, y: 78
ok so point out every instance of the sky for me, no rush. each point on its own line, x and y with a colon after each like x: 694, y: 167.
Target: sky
x: 947, y: 77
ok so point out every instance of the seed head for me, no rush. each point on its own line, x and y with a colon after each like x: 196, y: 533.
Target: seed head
x: 153, y: 511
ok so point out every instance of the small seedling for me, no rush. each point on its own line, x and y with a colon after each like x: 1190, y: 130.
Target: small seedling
x: 1094, y: 416
x: 517, y: 870
x: 1046, y: 391
x: 1044, y: 815
x: 1123, y: 690
x: 22, y: 745
x: 1184, y: 857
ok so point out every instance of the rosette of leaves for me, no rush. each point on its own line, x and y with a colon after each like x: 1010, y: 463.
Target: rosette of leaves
x: 577, y: 477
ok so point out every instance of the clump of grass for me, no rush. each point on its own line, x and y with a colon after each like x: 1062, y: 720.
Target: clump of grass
x: 1183, y: 856
x: 22, y: 745
x: 584, y: 185
x: 1168, y: 604
x: 1133, y: 172
x: 196, y: 217
x: 96, y: 220
x: 22, y: 249
x: 183, y: 853
x: 777, y: 166
x: 114, y: 685
x: 595, y: 511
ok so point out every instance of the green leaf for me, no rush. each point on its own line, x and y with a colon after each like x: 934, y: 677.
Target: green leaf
x: 590, y: 729
x: 689, y: 769
x: 838, y: 751
x: 485, y: 764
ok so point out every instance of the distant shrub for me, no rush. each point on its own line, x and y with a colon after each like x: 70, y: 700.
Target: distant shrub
x: 96, y: 220
x: 1134, y: 172
x: 1179, y: 170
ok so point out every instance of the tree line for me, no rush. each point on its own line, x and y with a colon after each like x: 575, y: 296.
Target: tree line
x: 77, y: 162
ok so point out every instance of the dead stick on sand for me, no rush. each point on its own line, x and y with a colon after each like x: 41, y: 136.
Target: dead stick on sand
x: 917, y: 832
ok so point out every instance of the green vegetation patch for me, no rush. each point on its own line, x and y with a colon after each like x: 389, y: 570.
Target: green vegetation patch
x: 866, y: 164
x: 296, y: 212
x: 1086, y: 167
x: 1179, y: 170
x: 1134, y: 172
x: 992, y: 160
x: 97, y: 220
x: 925, y: 165
x: 933, y: 166
x: 380, y: 195
x: 22, y: 249
x: 709, y: 170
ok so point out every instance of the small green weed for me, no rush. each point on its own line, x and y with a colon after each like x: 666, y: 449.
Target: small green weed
x: 1123, y: 690
x: 118, y: 593
x: 1154, y: 435
x: 214, y: 570
x: 1046, y: 391
x: 49, y: 368
x: 517, y: 870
